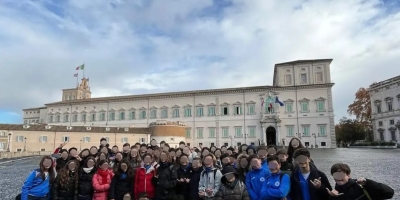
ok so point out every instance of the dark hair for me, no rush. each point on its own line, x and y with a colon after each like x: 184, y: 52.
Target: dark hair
x: 72, y: 148
x: 272, y: 146
x: 148, y: 154
x: 103, y: 139
x: 231, y: 149
x: 197, y: 158
x: 340, y: 167
x: 86, y: 161
x: 261, y: 147
x: 291, y: 150
x: 50, y: 170
x: 171, y: 149
x: 143, y: 145
x: 83, y: 150
x: 251, y: 157
x: 126, y: 144
x: 129, y: 170
x: 217, y: 149
x: 301, y: 152
x: 65, y: 176
x: 101, y: 162
x: 281, y: 151
x: 166, y: 145
x: 182, y: 142
x: 273, y: 158
x: 224, y: 155
x: 62, y: 151
x: 143, y: 195
x: 240, y: 148
x: 162, y: 142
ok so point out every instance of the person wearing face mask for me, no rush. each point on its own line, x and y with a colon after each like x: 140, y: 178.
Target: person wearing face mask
x: 37, y: 184
x: 194, y: 176
x: 255, y: 178
x: 166, y: 179
x: 102, y: 180
x: 242, y: 166
x: 62, y: 161
x: 86, y: 173
x: 307, y: 182
x: 144, y: 176
x: 183, y: 170
x: 210, y: 178
x: 360, y: 189
x: 121, y: 187
x: 134, y: 159
x: 277, y: 185
x: 231, y: 187
x: 65, y: 186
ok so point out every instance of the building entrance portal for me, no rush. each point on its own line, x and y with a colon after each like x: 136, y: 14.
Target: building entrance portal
x: 271, y: 135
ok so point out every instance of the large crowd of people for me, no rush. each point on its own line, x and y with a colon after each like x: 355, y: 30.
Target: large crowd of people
x: 160, y: 172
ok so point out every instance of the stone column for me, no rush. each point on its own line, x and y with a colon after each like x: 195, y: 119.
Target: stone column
x: 278, y: 134
x: 263, y: 140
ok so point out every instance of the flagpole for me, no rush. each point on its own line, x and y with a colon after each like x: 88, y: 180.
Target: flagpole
x: 83, y: 70
x: 77, y: 80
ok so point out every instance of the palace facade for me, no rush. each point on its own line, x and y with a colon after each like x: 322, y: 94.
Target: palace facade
x: 228, y: 116
x: 385, y: 109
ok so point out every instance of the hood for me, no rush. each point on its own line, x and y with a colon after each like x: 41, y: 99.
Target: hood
x: 229, y: 169
x: 251, y: 147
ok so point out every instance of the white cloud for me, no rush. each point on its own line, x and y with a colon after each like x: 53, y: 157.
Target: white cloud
x: 133, y: 47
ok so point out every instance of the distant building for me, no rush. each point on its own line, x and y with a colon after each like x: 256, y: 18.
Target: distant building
x: 227, y: 116
x: 385, y: 105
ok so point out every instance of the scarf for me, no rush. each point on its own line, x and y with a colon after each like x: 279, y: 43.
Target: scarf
x: 147, y: 167
x: 232, y: 184
x: 87, y: 170
x: 104, y: 175
x: 208, y: 169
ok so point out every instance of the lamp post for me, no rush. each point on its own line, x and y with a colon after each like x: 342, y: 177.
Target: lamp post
x: 230, y: 137
x: 245, y: 138
x: 25, y: 144
x: 9, y: 141
x: 315, y: 140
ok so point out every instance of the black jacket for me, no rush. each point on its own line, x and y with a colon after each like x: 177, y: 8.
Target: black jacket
x: 315, y: 194
x: 166, y: 182
x: 194, y: 183
x: 183, y: 189
x: 351, y: 190
x: 85, y: 187
x: 287, y: 168
x: 120, y: 186
x: 69, y: 191
x: 60, y: 163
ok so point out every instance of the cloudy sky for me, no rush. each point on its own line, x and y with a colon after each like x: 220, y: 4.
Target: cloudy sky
x: 146, y: 46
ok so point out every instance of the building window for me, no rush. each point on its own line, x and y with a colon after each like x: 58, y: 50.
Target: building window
x: 380, y: 123
x: 306, y: 130
x: 199, y: 132
x: 378, y: 108
x: 132, y: 115
x: 142, y: 140
x: 225, y: 132
x: 188, y: 112
x: 224, y: 110
x: 238, y: 144
x: 65, y: 139
x: 238, y: 131
x: 153, y: 114
x: 323, y: 144
x: 238, y: 110
x: 288, y: 79
x: 51, y: 118
x: 389, y: 106
x: 2, y: 146
x: 86, y: 139
x: 320, y: 106
x: 290, y: 131
x: 252, y: 143
x: 188, y: 132
x: 304, y: 107
x: 391, y: 122
x: 289, y: 107
x: 58, y: 118
x: 211, y: 133
x: 42, y: 138
x: 211, y: 111
x: 251, y: 109
x: 393, y: 134
x: 142, y: 114
x: 322, y: 130
x: 200, y: 144
x: 199, y: 112
x: 75, y: 118
x: 93, y: 117
x: 84, y: 117
x: 319, y: 77
x: 252, y: 131
x: 20, y: 138
x: 381, y: 136
x: 122, y: 116
x: 175, y: 112
x: 124, y: 140
x: 103, y: 116
x: 164, y: 113
x: 303, y: 78
x: 307, y: 144
x: 112, y: 116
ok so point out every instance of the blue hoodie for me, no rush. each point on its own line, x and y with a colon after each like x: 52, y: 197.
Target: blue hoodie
x: 254, y: 182
x: 35, y: 186
x: 275, y: 188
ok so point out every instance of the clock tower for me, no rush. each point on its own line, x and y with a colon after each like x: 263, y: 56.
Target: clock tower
x: 82, y: 91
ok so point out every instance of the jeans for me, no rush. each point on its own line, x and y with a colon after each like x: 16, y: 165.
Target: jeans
x: 37, y: 198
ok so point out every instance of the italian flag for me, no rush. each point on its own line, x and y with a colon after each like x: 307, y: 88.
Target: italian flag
x: 82, y: 67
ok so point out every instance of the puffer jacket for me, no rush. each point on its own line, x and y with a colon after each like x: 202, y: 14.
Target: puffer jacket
x: 121, y: 185
x: 166, y: 181
x: 143, y: 181
x: 85, y: 188
x: 210, y: 178
x: 183, y: 188
x: 100, y: 189
x: 237, y: 192
x: 194, y: 183
x: 134, y: 163
x: 69, y: 191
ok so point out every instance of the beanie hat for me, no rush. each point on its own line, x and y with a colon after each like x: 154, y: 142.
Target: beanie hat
x: 229, y: 169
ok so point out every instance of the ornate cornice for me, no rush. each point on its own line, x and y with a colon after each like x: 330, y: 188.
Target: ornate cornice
x: 186, y: 94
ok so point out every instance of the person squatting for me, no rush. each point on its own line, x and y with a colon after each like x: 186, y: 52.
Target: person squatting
x: 144, y: 172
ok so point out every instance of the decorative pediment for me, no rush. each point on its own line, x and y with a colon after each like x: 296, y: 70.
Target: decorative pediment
x: 211, y: 104
x: 111, y: 110
x: 225, y: 104
x: 93, y: 111
x: 102, y: 110
x: 251, y: 102
x: 381, y: 130
x: 320, y: 99
x: 132, y: 109
x: 237, y: 103
x: 83, y: 112
x: 377, y: 102
x: 289, y: 100
x: 304, y: 99
x: 153, y: 108
x: 58, y: 113
x: 122, y: 110
x: 199, y: 105
x: 143, y: 108
x: 175, y: 106
x: 392, y: 128
x: 164, y: 107
x: 270, y: 119
x: 75, y: 112
x: 188, y: 106
x: 50, y: 113
x: 66, y: 113
x: 388, y: 99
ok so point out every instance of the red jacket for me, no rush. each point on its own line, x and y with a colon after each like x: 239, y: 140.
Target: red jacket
x: 143, y: 182
x: 101, y: 190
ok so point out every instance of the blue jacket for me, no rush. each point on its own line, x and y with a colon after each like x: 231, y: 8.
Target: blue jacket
x: 254, y: 182
x: 274, y: 188
x: 34, y: 185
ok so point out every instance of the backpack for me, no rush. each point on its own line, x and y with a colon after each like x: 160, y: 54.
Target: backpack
x: 204, y: 172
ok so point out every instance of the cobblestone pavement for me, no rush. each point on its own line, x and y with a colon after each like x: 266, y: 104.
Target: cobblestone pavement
x: 379, y: 165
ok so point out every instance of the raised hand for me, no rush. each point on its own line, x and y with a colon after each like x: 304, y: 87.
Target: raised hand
x: 361, y: 181
x: 316, y: 182
x: 334, y: 193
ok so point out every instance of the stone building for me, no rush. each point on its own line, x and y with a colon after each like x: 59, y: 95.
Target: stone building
x: 227, y: 116
x: 40, y: 137
x: 385, y: 107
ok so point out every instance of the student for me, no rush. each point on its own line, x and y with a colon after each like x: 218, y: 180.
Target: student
x: 242, y: 166
x: 232, y: 187
x: 256, y: 177
x: 122, y: 182
x: 286, y: 167
x: 65, y: 186
x: 85, y: 188
x: 195, y: 173
x: 126, y: 150
x: 277, y: 185
x: 102, y: 180
x: 166, y: 178
x: 250, y: 150
x: 360, y: 189
x: 210, y: 178
x: 271, y: 150
x: 225, y: 160
x: 294, y: 144
x: 37, y: 184
x: 143, y: 177
x: 262, y: 153
x: 62, y: 161
x: 307, y: 182
x: 183, y: 186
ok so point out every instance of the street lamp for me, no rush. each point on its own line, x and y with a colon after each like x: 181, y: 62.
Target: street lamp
x: 299, y: 135
x: 245, y: 138
x: 230, y: 137
x: 9, y: 141
x: 315, y: 140
x: 25, y: 144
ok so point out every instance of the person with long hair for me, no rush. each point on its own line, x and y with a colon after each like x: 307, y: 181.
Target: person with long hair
x: 243, y: 166
x: 66, y: 183
x: 86, y: 173
x: 294, y: 144
x: 134, y: 158
x: 167, y: 177
x: 122, y: 183
x: 144, y: 176
x: 183, y: 171
x: 62, y: 160
x: 102, y: 180
x: 37, y: 184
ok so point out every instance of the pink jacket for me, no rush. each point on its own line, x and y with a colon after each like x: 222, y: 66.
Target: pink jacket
x: 100, y: 189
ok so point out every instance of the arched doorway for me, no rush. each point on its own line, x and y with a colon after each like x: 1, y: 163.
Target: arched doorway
x: 271, y: 135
